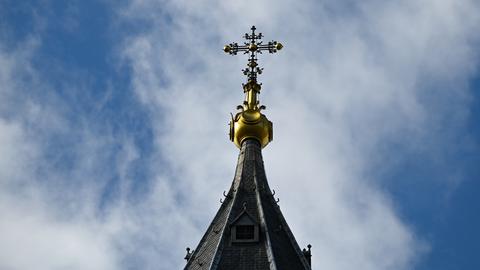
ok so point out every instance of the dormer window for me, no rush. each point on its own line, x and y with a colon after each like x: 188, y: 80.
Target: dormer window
x: 244, y: 229
x: 245, y: 232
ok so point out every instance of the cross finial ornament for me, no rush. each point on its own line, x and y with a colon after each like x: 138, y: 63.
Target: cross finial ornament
x: 253, y: 46
x: 250, y: 123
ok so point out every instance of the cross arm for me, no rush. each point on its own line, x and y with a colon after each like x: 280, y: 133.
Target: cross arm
x: 234, y: 48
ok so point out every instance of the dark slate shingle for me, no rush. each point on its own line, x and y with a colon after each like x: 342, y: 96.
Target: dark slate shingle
x: 276, y: 249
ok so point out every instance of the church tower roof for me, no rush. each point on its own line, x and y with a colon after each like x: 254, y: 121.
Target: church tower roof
x: 249, y: 230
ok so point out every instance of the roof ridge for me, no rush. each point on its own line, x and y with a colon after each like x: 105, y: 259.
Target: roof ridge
x: 271, y: 257
x: 233, y: 189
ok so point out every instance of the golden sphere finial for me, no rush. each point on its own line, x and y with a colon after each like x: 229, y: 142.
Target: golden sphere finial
x: 251, y: 124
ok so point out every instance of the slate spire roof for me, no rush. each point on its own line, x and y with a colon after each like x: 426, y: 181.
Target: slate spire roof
x: 249, y: 230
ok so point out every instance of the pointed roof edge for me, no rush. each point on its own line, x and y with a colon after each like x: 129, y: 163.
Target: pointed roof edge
x: 228, y: 207
x: 202, y: 241
x: 292, y: 239
x: 219, y: 249
x: 289, y: 233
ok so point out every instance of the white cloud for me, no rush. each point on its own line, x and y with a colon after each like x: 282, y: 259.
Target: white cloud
x: 37, y: 229
x: 32, y: 238
x: 67, y: 182
x: 352, y: 78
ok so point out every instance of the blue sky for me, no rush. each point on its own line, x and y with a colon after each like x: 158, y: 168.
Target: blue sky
x: 113, y: 129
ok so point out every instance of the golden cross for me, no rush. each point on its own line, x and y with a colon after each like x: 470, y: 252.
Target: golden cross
x: 253, y: 46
